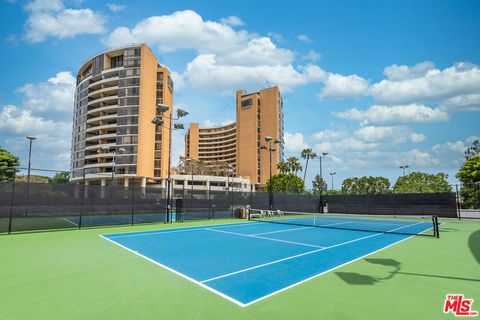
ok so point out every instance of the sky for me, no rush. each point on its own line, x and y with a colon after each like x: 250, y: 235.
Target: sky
x: 376, y: 84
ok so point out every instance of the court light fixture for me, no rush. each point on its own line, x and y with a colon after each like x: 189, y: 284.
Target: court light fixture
x: 157, y: 121
x: 178, y: 126
x: 181, y: 113
x: 161, y: 108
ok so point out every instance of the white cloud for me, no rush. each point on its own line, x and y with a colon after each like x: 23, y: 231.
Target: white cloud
x: 327, y: 135
x: 50, y: 18
x: 178, y: 80
x: 19, y: 121
x: 339, y: 86
x: 233, y: 21
x: 312, y: 55
x: 403, y: 72
x: 227, y: 59
x: 304, y: 38
x: 378, y: 114
x: 417, y: 158
x: 294, y: 142
x: 182, y: 30
x: 204, y: 72
x: 466, y: 102
x: 56, y: 94
x: 388, y: 134
x: 114, y: 7
x: 435, y: 85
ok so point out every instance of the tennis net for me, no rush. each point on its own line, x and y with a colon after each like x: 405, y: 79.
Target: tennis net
x: 409, y: 225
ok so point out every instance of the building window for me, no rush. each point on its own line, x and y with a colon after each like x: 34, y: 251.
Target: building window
x: 247, y: 103
x: 116, y: 62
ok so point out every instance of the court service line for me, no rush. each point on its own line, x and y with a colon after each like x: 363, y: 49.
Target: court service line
x: 278, y: 231
x: 265, y: 238
x: 300, y: 255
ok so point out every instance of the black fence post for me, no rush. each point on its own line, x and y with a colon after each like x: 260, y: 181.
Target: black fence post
x: 80, y: 213
x: 422, y: 200
x: 133, y: 200
x: 394, y: 202
x: 457, y: 201
x: 12, y: 197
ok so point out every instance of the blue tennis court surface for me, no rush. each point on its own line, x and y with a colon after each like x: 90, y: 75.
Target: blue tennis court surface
x: 247, y: 262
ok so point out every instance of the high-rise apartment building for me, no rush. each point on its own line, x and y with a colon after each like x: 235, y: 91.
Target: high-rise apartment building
x: 115, y: 101
x: 258, y: 114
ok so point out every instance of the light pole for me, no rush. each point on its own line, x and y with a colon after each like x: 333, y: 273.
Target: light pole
x: 158, y: 121
x: 404, y: 167
x: 107, y: 149
x: 30, y: 140
x: 332, y: 174
x: 271, y: 148
x: 320, y: 200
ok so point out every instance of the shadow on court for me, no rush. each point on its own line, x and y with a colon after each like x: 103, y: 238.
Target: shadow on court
x: 474, y: 244
x: 394, y: 269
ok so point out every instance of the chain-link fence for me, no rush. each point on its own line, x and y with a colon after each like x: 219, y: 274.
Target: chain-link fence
x: 40, y: 206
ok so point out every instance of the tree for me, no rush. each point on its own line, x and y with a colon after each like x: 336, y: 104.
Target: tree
x: 417, y: 182
x: 283, y: 167
x: 366, y: 185
x: 319, y: 184
x: 307, y: 154
x: 60, y: 178
x: 294, y: 165
x: 7, y: 162
x: 473, y: 150
x: 469, y: 175
x: 286, y: 183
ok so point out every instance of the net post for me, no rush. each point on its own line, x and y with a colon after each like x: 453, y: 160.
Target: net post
x: 436, y: 227
x: 12, y: 199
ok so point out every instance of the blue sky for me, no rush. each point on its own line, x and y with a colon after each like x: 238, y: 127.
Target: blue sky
x: 377, y: 84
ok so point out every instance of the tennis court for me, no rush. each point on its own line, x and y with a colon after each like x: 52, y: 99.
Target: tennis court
x: 248, y: 262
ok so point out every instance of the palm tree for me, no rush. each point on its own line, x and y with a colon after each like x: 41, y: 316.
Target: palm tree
x: 283, y: 167
x: 294, y: 165
x: 307, y: 154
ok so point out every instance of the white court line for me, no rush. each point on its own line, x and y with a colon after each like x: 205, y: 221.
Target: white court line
x: 326, y: 271
x: 66, y: 219
x: 166, y: 231
x: 302, y: 254
x: 177, y: 273
x: 278, y: 231
x: 264, y: 238
x: 259, y: 299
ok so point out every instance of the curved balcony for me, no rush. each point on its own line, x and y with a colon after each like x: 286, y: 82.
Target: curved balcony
x: 102, y: 109
x: 97, y: 93
x: 104, y: 126
x: 103, y: 99
x: 103, y: 81
x: 101, y: 136
x: 221, y: 137
x: 100, y: 118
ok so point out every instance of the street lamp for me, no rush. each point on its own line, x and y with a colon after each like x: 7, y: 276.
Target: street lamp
x: 158, y: 121
x: 320, y: 200
x: 404, y: 167
x: 271, y: 148
x: 30, y: 140
x: 332, y: 174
